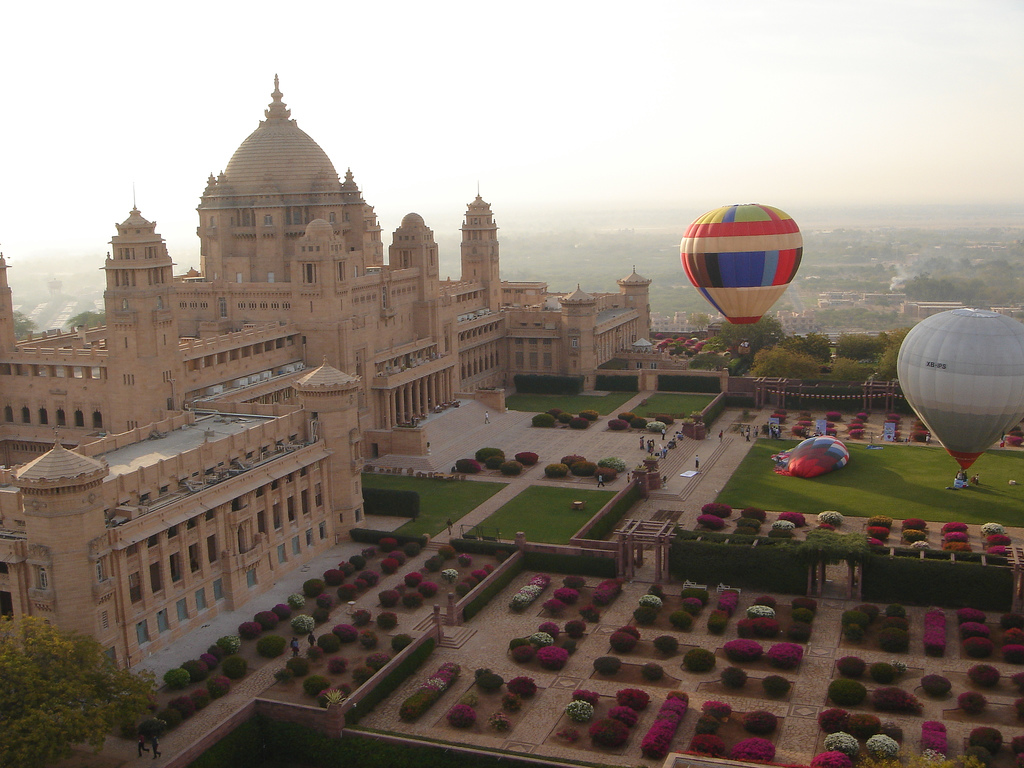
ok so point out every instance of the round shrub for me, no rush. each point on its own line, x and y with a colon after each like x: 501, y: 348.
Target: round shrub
x: 298, y: 666
x: 303, y: 624
x: 984, y: 675
x: 863, y: 726
x: 398, y: 642
x: 218, y: 686
x: 841, y: 741
x: 461, y: 716
x: 329, y: 642
x: 511, y: 468
x: 176, y: 679
x: 271, y: 646
x: 972, y: 702
x: 882, y: 672
x: 234, y: 667
x: 312, y: 587
x: 652, y: 671
x: 894, y: 640
x: 607, y: 665
x: 988, y: 738
x: 936, y: 686
x: 831, y: 760
x: 760, y: 723
x: 699, y: 660
x: 314, y: 684
x: 707, y: 744
x: 609, y: 733
x: 775, y: 686
x: 552, y: 657
x: 882, y: 747
x: 851, y: 666
x: 833, y: 720
x: 733, y: 677
x: 978, y: 647
x: 229, y: 644
x: 468, y: 466
x: 667, y: 644
x: 522, y: 686
x: 754, y: 749
x: 681, y: 620
x: 846, y: 693
x: 624, y: 715
x: 743, y: 650
x: 556, y: 470
x: 579, y: 711
x: 543, y: 420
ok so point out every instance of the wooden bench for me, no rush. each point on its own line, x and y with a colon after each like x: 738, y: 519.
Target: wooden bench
x: 694, y: 585
x: 727, y: 588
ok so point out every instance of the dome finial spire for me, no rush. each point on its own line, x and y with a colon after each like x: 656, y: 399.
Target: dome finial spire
x: 277, y: 110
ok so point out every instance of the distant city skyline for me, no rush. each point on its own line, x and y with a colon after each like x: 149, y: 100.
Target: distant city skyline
x: 675, y: 105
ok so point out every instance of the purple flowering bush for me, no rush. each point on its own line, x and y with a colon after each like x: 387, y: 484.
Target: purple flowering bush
x: 831, y: 760
x: 658, y: 739
x: 933, y: 737
x: 755, y: 750
x: 743, y: 650
x: 728, y: 601
x: 461, y: 716
x: 711, y: 522
x: 935, y: 633
x: 785, y: 655
x: 552, y: 657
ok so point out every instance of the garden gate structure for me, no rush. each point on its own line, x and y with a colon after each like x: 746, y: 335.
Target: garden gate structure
x: 633, y: 537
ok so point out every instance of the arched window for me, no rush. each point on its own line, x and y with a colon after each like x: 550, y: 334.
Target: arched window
x: 44, y: 417
x: 97, y: 420
x: 62, y: 420
x: 79, y: 419
x: 8, y: 413
x: 26, y: 416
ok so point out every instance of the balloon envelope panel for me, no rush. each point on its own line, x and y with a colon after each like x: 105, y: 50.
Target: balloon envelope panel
x: 962, y: 371
x: 816, y: 456
x: 741, y: 258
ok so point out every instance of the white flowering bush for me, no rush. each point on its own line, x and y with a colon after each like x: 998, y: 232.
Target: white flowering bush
x: 303, y: 623
x: 831, y: 517
x: 297, y: 601
x: 989, y: 529
x: 760, y: 612
x: 920, y: 545
x: 932, y: 756
x: 530, y: 592
x: 842, y: 742
x: 655, y: 426
x: 613, y: 462
x: 450, y: 575
x: 230, y: 643
x: 650, y: 601
x: 882, y: 747
x: 541, y: 639
x: 579, y: 711
x: 783, y: 525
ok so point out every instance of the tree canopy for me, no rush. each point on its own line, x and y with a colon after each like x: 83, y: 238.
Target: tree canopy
x: 86, y: 319
x: 784, y: 363
x: 814, y: 344
x: 22, y: 325
x: 766, y: 332
x: 59, y: 689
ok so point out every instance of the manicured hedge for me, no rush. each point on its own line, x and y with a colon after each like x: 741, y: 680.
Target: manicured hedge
x: 714, y: 410
x: 765, y: 568
x: 582, y: 565
x: 390, y: 682
x: 937, y: 582
x: 387, y: 501
x: 242, y: 746
x: 478, y: 547
x: 542, y: 384
x: 494, y: 586
x: 684, y: 383
x: 370, y: 536
x: 613, y: 516
x: 607, y: 383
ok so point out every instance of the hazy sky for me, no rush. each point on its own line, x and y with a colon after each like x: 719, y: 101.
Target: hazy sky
x: 681, y: 104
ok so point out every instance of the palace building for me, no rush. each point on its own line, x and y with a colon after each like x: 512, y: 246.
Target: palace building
x: 212, y: 433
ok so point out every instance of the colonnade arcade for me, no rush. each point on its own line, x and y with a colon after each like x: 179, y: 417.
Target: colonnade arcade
x: 406, y: 403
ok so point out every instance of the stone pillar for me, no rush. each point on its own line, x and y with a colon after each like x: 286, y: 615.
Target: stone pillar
x: 438, y: 625
x: 520, y: 540
x: 452, y: 619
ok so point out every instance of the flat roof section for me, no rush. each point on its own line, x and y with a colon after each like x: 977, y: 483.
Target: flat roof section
x: 170, y: 444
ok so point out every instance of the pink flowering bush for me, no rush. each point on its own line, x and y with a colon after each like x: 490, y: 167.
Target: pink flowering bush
x: 711, y: 522
x: 892, y: 699
x: 591, y: 697
x: 831, y: 760
x: 708, y: 744
x: 552, y: 657
x: 743, y: 650
x: 634, y: 698
x: 609, y: 733
x: 974, y: 629
x: 935, y: 633
x: 755, y: 750
x: 933, y: 737
x: 978, y: 647
x: 970, y: 614
x: 658, y: 739
x: 796, y: 518
x: 728, y: 601
x: 606, y: 591
x: 717, y: 509
x: 784, y: 655
x: 716, y: 709
x: 567, y: 595
x: 461, y: 716
x: 625, y: 715
x: 953, y: 527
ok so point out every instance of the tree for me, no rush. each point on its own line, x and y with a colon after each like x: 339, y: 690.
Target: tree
x: 22, y: 325
x: 86, y: 319
x: 814, y: 344
x: 845, y: 369
x: 859, y: 346
x: 59, y: 689
x: 887, y: 362
x: 766, y: 332
x: 781, y: 362
x: 698, y: 320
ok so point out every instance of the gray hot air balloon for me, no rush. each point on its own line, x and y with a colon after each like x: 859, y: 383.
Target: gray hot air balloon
x: 962, y: 371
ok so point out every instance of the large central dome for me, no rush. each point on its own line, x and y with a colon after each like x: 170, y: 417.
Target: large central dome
x: 278, y: 157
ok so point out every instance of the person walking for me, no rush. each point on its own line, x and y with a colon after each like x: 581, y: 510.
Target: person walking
x: 448, y: 522
x: 600, y: 481
x: 311, y: 639
x: 155, y: 743
x: 644, y: 442
x: 720, y: 433
x: 295, y: 646
x: 142, y: 744
x: 696, y: 461
x: 487, y: 417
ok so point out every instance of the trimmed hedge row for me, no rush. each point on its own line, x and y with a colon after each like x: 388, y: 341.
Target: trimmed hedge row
x: 546, y: 384
x: 580, y: 565
x: 614, y: 515
x: 684, y: 383
x: 370, y: 536
x: 388, y: 501
x: 497, y: 584
x: 395, y: 678
x: 243, y: 746
x: 616, y: 383
x: 477, y: 547
x: 769, y: 568
x: 937, y: 582
x: 714, y: 410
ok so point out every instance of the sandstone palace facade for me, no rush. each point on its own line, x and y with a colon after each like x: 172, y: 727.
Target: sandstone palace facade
x: 211, y: 434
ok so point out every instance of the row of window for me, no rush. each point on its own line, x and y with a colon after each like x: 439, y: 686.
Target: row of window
x: 61, y: 420
x: 52, y: 371
x: 182, y: 609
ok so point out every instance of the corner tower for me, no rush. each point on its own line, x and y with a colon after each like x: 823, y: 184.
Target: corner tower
x: 142, y: 330
x: 480, y: 251
x: 7, y: 342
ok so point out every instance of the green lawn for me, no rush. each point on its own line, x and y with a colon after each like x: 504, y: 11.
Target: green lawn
x: 673, y: 404
x: 439, y: 499
x: 603, y: 404
x: 900, y: 481
x: 545, y: 513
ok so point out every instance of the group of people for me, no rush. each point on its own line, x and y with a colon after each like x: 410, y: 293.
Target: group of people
x: 774, y: 431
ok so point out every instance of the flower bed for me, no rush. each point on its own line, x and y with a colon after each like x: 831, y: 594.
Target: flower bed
x: 428, y: 693
x: 527, y: 594
x: 658, y: 739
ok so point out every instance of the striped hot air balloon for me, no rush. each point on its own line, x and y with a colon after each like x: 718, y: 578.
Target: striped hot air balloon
x: 742, y: 258
x: 962, y: 371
